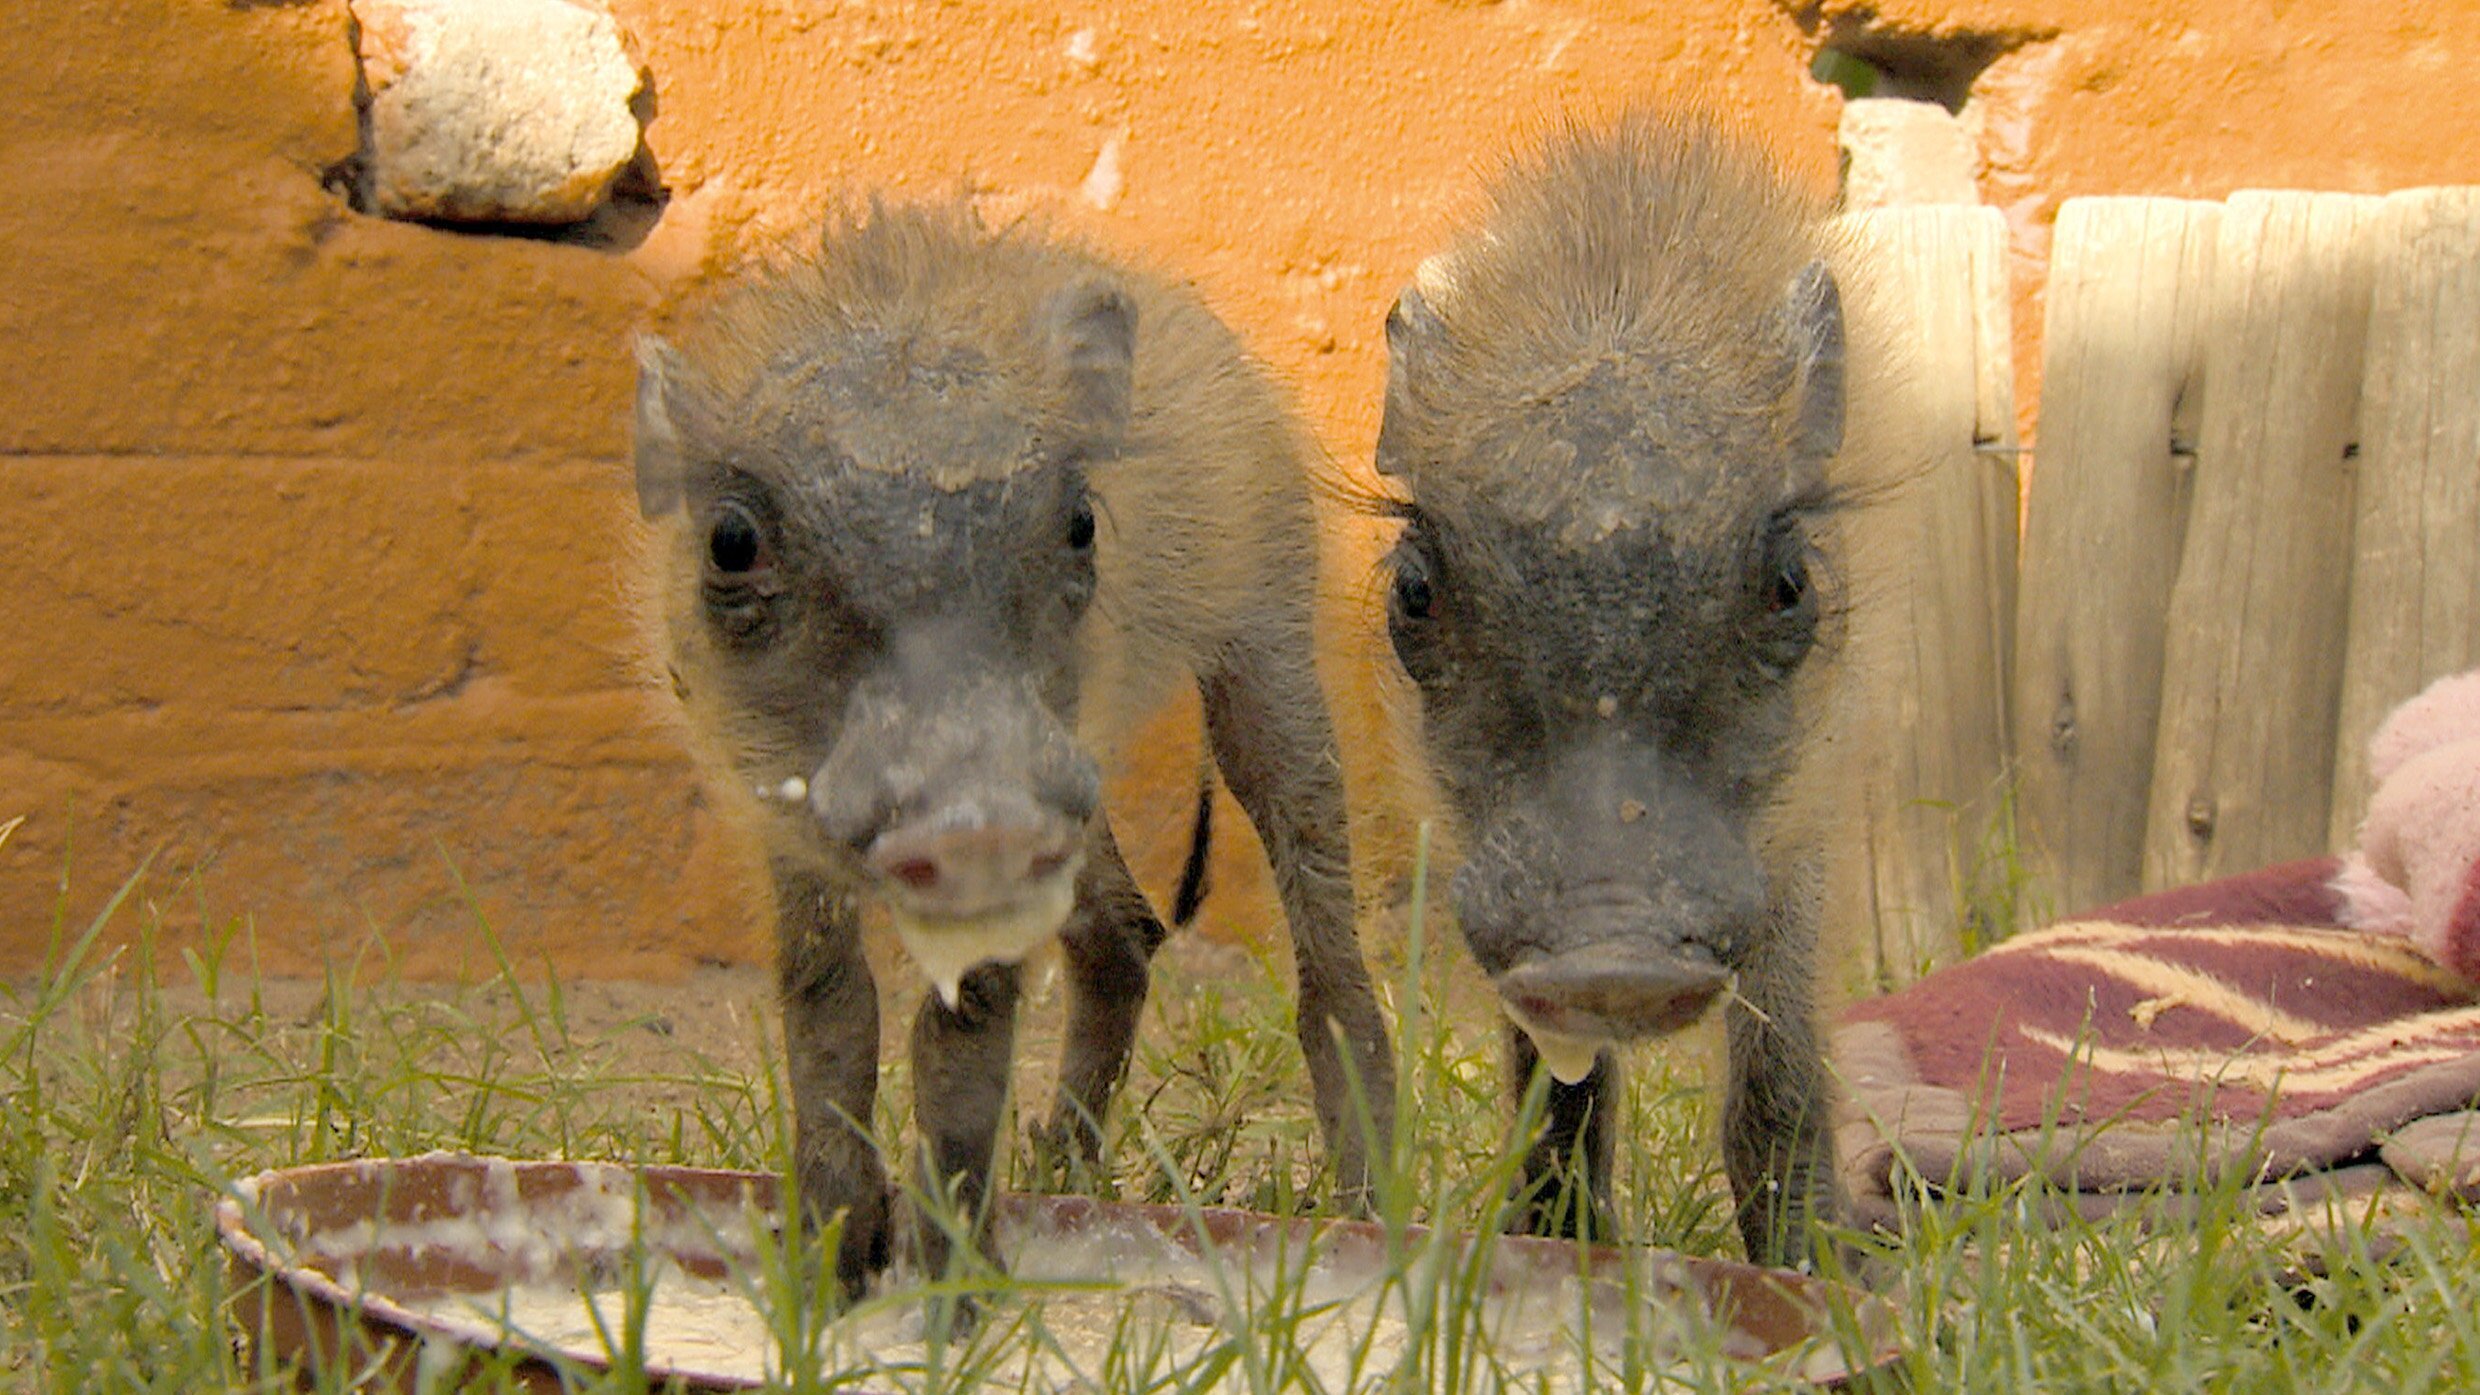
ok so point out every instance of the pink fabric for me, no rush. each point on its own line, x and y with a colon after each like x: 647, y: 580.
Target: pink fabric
x: 2416, y: 873
x: 2463, y: 925
x: 2370, y: 902
x: 2445, y: 712
x: 2423, y: 835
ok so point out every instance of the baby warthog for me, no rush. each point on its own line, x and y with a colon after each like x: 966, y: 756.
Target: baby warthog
x: 935, y: 503
x: 1610, y: 408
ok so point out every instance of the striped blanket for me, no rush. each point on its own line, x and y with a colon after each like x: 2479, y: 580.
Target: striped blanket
x: 2166, y: 1041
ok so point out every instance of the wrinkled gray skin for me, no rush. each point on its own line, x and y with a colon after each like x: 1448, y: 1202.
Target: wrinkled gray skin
x: 943, y: 510
x: 1610, y: 408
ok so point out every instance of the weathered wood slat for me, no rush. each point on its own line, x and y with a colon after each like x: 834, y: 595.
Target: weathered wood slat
x: 1933, y: 603
x: 2252, y: 658
x: 2415, y: 581
x: 1993, y: 363
x: 2129, y: 286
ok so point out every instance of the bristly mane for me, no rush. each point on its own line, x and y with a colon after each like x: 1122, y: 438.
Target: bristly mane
x: 1658, y: 236
x: 885, y: 271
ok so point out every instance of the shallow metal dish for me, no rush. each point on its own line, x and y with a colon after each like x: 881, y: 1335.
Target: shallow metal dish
x: 325, y: 1260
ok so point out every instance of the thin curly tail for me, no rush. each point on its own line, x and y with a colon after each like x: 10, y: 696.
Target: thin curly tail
x: 1192, y: 892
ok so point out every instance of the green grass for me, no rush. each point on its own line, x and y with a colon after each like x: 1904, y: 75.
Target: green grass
x: 141, y: 1079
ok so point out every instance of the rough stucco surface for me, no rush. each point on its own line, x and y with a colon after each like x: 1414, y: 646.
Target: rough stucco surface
x: 318, y: 521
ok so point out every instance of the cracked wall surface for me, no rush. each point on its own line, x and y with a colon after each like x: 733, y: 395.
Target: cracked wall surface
x: 320, y: 519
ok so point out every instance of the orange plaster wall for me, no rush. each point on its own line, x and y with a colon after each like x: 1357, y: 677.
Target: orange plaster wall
x: 317, y: 522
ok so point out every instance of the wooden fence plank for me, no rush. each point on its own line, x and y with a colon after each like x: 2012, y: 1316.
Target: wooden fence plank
x: 2415, y: 580
x: 1930, y: 617
x: 2252, y: 658
x: 2129, y: 286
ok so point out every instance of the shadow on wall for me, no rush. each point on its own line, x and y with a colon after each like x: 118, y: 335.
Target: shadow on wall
x: 1868, y: 55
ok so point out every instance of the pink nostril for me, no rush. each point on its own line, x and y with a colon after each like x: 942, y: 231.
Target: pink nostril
x: 919, y: 873
x: 971, y: 869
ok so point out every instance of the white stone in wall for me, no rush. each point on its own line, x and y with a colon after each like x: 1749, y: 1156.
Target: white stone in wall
x: 1106, y: 181
x: 1898, y: 152
x: 494, y: 110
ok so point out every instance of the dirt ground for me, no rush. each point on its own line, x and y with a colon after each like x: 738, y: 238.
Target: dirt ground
x: 652, y: 1042
x: 722, y: 1015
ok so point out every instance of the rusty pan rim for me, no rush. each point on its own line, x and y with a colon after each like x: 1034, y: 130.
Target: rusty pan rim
x: 394, y: 1319
x: 1189, y: 1226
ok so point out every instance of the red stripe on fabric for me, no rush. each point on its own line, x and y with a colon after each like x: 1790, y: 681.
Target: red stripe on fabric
x: 2287, y: 893
x: 2462, y: 941
x: 1964, y: 1027
x: 2294, y: 978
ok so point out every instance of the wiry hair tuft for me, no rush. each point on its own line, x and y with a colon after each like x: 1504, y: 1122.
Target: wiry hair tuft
x: 1658, y: 236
